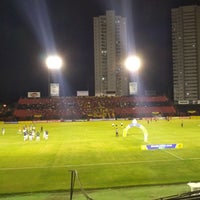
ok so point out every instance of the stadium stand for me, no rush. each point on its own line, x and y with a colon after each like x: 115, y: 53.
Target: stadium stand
x: 188, y: 110
x: 90, y: 107
x: 6, y: 112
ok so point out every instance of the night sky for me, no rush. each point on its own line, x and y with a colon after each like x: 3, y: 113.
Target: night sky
x: 29, y: 29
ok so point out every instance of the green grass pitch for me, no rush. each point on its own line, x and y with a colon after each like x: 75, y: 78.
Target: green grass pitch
x: 101, y: 159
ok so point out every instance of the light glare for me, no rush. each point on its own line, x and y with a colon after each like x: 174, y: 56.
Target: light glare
x: 54, y: 62
x: 133, y: 63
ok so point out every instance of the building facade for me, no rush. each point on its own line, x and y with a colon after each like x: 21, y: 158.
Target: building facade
x: 186, y: 54
x: 110, y: 50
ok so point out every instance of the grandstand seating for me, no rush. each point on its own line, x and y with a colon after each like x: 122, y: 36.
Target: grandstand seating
x: 93, y: 107
x: 188, y: 109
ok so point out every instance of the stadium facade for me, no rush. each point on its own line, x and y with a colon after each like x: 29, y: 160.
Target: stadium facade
x: 186, y: 54
x: 110, y: 50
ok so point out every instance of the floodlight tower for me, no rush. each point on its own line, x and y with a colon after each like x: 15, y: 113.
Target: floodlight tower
x: 133, y: 64
x: 53, y: 62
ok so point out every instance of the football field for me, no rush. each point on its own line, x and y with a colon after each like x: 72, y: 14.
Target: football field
x: 101, y: 159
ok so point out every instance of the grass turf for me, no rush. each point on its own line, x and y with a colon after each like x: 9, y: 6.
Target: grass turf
x: 101, y: 159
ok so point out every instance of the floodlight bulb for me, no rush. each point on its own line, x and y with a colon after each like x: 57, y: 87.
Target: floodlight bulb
x: 133, y: 63
x: 54, y: 62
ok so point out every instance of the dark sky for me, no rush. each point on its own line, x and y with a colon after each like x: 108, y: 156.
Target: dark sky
x: 27, y: 26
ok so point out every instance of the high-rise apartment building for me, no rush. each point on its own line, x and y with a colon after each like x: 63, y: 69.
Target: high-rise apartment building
x: 110, y: 50
x: 186, y: 54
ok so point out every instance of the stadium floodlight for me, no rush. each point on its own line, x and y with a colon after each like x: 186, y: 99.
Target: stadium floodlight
x: 132, y: 63
x: 54, y: 62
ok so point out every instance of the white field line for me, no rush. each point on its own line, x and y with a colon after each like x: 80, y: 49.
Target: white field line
x: 93, y: 164
x: 174, y: 155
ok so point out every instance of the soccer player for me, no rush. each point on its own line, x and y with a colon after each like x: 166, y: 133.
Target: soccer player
x: 3, y: 131
x: 30, y: 136
x: 117, y: 132
x: 25, y: 136
x: 37, y: 136
x: 46, y: 135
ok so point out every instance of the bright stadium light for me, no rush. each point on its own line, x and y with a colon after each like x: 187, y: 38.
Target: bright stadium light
x: 54, y: 62
x: 132, y: 63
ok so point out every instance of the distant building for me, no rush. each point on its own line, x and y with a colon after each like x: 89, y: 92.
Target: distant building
x: 110, y: 50
x: 186, y: 54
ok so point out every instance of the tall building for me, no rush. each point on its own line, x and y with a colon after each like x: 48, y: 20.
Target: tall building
x: 110, y: 50
x: 186, y: 54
